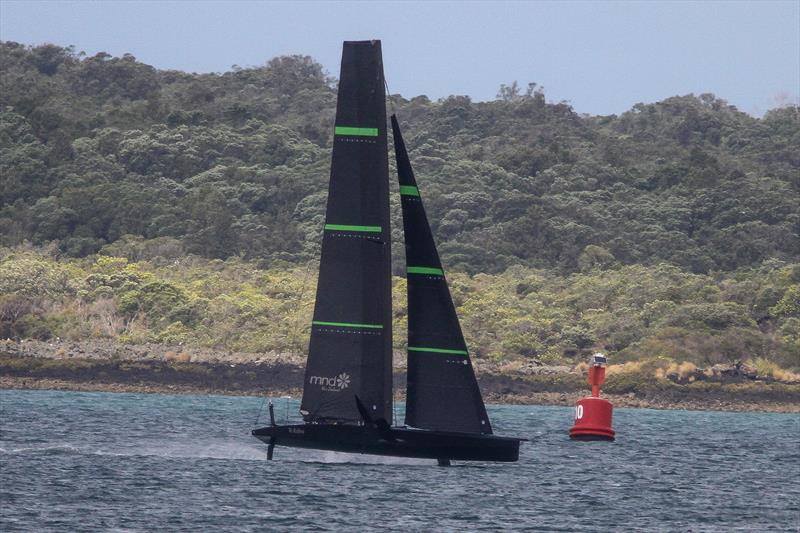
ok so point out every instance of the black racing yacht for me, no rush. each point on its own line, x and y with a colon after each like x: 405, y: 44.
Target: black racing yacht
x: 347, y: 390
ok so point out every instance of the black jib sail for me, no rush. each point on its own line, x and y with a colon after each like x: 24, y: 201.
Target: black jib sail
x: 350, y: 353
x: 442, y: 391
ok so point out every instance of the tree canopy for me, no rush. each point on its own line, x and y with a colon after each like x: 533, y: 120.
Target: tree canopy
x: 100, y: 150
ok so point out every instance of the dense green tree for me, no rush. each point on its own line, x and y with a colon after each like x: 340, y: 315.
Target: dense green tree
x: 235, y: 164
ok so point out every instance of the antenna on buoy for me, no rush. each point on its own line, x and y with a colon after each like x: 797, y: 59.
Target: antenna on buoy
x: 593, y: 414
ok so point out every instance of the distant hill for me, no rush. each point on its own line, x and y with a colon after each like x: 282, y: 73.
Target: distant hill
x: 109, y: 153
x: 667, y: 237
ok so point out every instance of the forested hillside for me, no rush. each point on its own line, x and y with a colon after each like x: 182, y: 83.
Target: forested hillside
x: 97, y: 148
x: 672, y: 229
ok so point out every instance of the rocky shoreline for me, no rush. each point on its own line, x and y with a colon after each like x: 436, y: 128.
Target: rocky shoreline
x: 109, y: 367
x: 537, y: 398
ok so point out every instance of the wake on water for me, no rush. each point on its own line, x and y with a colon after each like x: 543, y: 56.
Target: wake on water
x: 215, y: 449
x: 228, y: 450
x: 315, y: 456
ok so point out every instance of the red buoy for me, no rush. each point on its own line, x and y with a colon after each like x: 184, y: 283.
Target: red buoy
x: 593, y: 414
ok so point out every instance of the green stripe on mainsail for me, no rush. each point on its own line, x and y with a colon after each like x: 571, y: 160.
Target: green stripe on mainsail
x: 409, y: 190
x: 425, y: 270
x: 347, y: 325
x: 347, y: 227
x: 436, y: 350
x: 361, y: 132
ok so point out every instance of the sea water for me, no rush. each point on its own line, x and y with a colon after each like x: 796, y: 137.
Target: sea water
x: 72, y: 461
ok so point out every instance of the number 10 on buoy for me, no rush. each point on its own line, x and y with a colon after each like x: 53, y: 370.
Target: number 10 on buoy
x: 593, y: 414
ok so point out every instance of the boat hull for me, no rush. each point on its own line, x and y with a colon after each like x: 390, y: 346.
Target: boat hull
x: 396, y: 442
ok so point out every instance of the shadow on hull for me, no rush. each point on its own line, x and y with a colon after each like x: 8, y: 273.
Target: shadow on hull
x: 396, y: 442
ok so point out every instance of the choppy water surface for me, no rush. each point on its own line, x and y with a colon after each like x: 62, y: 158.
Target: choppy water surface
x: 128, y: 462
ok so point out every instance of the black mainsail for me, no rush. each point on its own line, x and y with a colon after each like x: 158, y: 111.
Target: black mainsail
x: 350, y: 352
x: 442, y: 392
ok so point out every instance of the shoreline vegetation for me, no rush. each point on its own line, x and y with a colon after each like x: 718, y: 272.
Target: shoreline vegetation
x: 110, y: 367
x: 145, y: 323
x: 142, y: 322
x: 522, y: 316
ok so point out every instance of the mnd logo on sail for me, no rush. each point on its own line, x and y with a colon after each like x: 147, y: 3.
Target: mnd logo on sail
x: 332, y: 384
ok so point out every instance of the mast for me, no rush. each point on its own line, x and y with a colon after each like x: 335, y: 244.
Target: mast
x: 350, y: 351
x: 442, y: 392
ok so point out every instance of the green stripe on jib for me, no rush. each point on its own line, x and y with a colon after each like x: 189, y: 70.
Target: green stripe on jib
x: 347, y: 227
x: 425, y: 270
x: 359, y: 132
x: 347, y: 325
x: 436, y: 350
x: 409, y: 190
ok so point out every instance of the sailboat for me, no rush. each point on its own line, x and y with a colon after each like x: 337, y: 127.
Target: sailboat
x: 347, y: 390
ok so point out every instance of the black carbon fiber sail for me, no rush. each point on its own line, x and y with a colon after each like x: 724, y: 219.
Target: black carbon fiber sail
x: 350, y: 350
x: 442, y: 391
